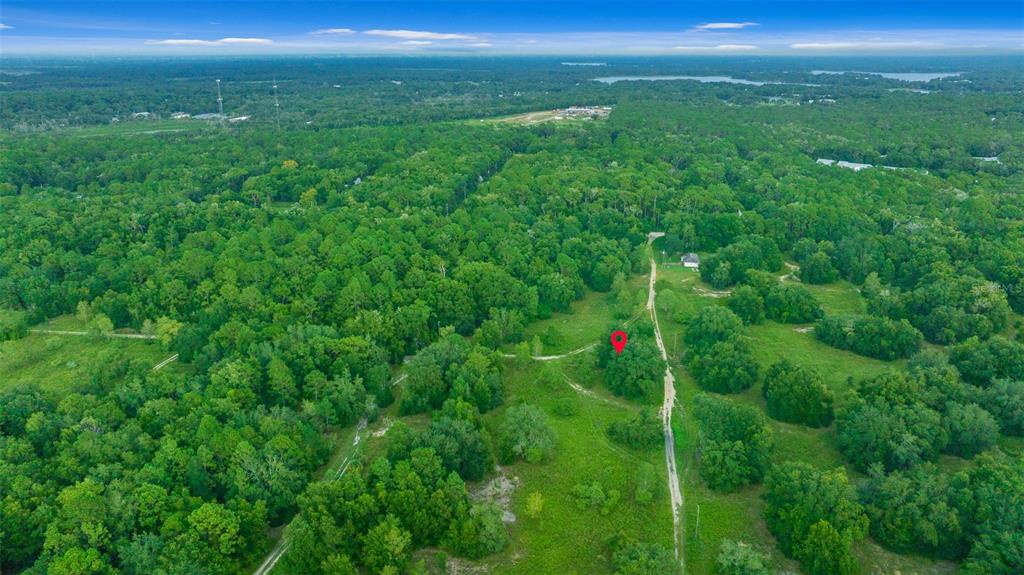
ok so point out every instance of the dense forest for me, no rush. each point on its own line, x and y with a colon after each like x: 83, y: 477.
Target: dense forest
x: 296, y: 262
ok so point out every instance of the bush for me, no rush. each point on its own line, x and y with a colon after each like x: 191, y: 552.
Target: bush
x: 912, y: 512
x: 748, y: 304
x: 877, y: 337
x: 593, y: 496
x: 980, y: 362
x: 631, y: 557
x: 637, y: 372
x: 971, y: 429
x: 797, y: 395
x: 814, y: 516
x: 896, y: 436
x: 792, y: 304
x: 711, y: 325
x: 818, y: 269
x: 525, y: 434
x: 738, y: 558
x: 641, y: 431
x: 13, y: 325
x: 1005, y: 400
x: 727, y: 367
x: 735, y: 443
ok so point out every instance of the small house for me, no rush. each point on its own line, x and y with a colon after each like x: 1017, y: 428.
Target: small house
x: 690, y: 260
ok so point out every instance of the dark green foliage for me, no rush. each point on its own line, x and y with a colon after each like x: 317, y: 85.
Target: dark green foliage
x: 797, y: 395
x: 817, y: 269
x: 913, y: 511
x: 525, y: 434
x: 729, y: 265
x: 711, y: 325
x: 789, y: 303
x: 889, y: 424
x: 637, y: 372
x: 738, y: 558
x: 593, y: 495
x: 631, y: 557
x: 13, y: 325
x: 735, y: 443
x: 971, y: 429
x: 877, y: 337
x: 748, y: 304
x: 726, y: 367
x: 452, y: 368
x: 640, y: 431
x: 1004, y: 399
x: 814, y: 515
x: 980, y: 362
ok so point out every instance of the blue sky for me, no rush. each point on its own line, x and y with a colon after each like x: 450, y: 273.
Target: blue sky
x: 501, y: 27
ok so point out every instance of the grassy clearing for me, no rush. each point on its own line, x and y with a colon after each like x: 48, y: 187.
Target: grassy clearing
x: 57, y: 363
x: 586, y: 323
x: 141, y: 127
x: 565, y: 539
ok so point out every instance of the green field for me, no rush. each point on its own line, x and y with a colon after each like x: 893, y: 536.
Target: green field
x: 57, y: 363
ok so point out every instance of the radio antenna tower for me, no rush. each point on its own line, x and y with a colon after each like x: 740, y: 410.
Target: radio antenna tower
x: 277, y: 105
x: 220, y: 101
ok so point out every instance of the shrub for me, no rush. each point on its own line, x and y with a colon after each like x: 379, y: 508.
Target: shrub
x: 748, y: 304
x: 797, y: 395
x: 641, y: 431
x: 525, y: 434
x: 738, y: 558
x: 971, y: 429
x: 792, y: 304
x: 735, y: 443
x: 727, y: 367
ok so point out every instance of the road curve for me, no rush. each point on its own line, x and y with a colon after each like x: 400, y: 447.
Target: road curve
x: 675, y: 493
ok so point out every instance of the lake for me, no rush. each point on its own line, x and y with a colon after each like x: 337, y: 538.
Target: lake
x: 702, y: 79
x: 904, y: 76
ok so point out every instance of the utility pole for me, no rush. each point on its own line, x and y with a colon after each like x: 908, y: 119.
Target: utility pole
x: 220, y: 102
x: 277, y: 105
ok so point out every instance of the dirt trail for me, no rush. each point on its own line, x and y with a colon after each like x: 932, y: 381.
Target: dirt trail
x: 120, y: 335
x: 283, y: 543
x: 676, y: 494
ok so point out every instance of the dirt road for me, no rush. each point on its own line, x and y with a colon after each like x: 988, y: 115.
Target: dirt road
x: 676, y: 494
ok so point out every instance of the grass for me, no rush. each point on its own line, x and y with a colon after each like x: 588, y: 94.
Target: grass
x: 57, y: 363
x: 586, y: 323
x: 139, y: 127
x: 564, y: 538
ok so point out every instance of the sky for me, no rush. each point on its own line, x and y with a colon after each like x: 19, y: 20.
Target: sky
x: 232, y: 27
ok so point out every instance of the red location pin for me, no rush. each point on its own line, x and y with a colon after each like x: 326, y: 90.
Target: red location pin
x: 619, y: 339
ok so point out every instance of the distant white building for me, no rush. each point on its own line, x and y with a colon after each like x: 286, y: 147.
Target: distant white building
x: 237, y: 119
x: 180, y: 115
x: 690, y: 260
x: 142, y: 115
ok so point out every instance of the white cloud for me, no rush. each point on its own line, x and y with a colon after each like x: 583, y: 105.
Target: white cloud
x: 334, y: 31
x: 417, y: 42
x: 719, y: 48
x: 861, y: 45
x: 221, y: 42
x: 725, y: 25
x: 418, y: 35
x: 481, y: 44
x: 5, y: 27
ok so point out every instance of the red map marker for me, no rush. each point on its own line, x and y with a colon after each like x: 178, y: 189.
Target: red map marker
x: 619, y: 339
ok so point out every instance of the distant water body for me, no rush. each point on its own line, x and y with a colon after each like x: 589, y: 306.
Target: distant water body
x: 702, y: 79
x: 904, y: 76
